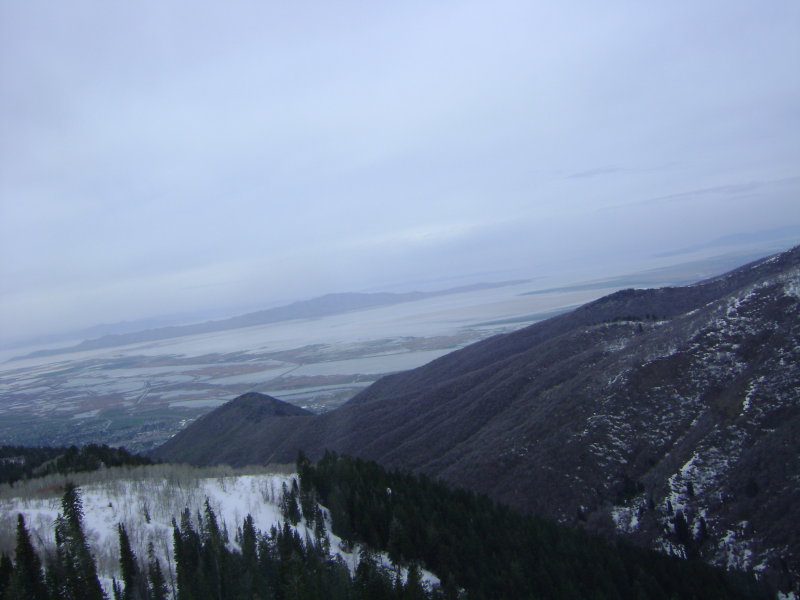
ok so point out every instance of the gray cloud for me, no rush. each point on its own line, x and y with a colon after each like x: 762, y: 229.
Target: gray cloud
x: 160, y: 159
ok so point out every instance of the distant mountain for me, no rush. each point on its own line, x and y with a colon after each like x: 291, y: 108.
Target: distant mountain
x: 671, y: 416
x: 323, y: 306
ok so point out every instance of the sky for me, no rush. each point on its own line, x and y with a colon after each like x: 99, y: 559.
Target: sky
x: 182, y: 156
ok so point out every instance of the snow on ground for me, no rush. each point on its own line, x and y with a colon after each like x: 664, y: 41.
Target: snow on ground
x: 737, y: 555
x: 147, y: 500
x: 626, y: 518
x: 792, y: 288
x: 147, y: 506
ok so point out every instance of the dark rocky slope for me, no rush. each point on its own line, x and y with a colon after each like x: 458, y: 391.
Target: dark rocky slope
x: 669, y: 415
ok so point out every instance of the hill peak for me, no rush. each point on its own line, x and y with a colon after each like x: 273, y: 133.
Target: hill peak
x: 259, y: 406
x: 235, y: 428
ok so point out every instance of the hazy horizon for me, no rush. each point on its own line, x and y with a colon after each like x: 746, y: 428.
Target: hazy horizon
x: 194, y: 158
x: 672, y: 271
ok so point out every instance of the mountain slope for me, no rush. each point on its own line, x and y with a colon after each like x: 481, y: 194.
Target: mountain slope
x: 225, y: 435
x: 670, y: 415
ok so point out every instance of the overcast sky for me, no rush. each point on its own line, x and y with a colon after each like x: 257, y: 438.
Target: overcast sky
x: 165, y: 157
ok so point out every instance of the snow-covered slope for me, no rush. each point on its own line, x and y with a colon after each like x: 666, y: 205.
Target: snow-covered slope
x: 146, y: 500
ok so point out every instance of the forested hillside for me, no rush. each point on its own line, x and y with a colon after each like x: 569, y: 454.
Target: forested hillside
x: 491, y: 551
x: 24, y: 462
x: 343, y: 529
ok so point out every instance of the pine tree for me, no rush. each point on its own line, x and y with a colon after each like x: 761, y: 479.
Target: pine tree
x: 289, y: 508
x: 158, y: 585
x: 55, y: 576
x: 682, y: 532
x: 81, y: 581
x: 185, y: 556
x: 214, y: 554
x: 6, y: 571
x: 28, y: 580
x: 116, y: 589
x: 413, y: 589
x: 268, y: 563
x: 135, y: 588
x: 320, y: 533
x: 251, y: 581
x: 371, y: 582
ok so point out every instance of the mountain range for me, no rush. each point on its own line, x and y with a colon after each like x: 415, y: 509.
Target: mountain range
x: 670, y: 416
x: 322, y: 306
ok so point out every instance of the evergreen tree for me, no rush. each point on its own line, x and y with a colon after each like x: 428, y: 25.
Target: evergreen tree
x: 683, y: 533
x: 371, y: 582
x: 55, y: 576
x: 81, y: 581
x: 187, y: 558
x: 267, y: 562
x: 413, y: 589
x: 251, y: 580
x: 320, y: 533
x: 214, y: 554
x: 289, y: 501
x: 6, y: 571
x: 158, y: 585
x: 135, y: 587
x: 28, y: 580
x: 116, y: 589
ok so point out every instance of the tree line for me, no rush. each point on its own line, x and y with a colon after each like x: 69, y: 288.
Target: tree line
x: 22, y: 462
x: 475, y: 544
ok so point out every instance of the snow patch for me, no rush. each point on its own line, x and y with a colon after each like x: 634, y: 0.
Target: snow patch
x: 626, y: 518
x: 792, y: 288
x: 734, y: 549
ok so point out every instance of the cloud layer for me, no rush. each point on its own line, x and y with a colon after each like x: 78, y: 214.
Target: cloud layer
x: 171, y: 157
